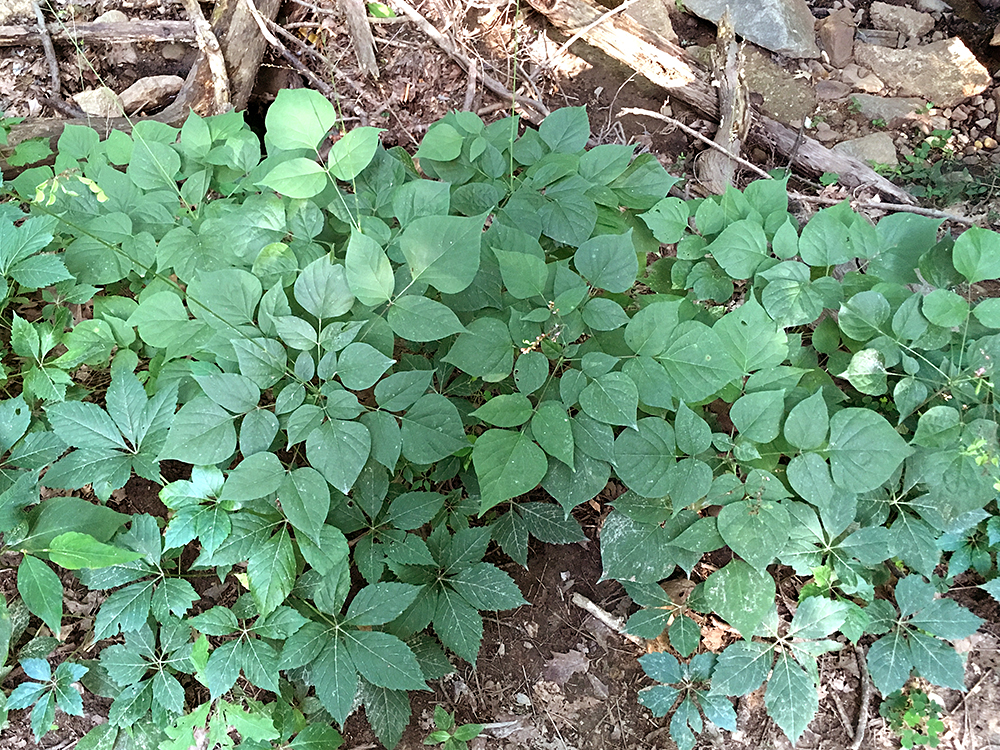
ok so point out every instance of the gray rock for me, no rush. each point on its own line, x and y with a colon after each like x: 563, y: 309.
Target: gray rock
x: 654, y: 16
x: 99, y: 102
x: 908, y: 22
x: 895, y: 111
x: 785, y: 98
x: 832, y: 90
x: 150, y: 93
x: 836, y: 36
x: 783, y: 26
x: 944, y: 72
x: 930, y: 6
x: 15, y: 10
x: 876, y: 148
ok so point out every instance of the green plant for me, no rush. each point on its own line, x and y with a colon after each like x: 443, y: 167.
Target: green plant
x: 380, y: 374
x: 828, y: 178
x: 879, y: 122
x: 51, y: 691
x: 448, y: 735
x: 913, y: 716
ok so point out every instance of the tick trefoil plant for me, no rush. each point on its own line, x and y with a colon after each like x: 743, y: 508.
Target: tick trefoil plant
x: 376, y: 378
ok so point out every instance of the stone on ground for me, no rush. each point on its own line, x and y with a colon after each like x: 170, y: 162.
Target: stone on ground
x: 908, y: 22
x: 836, y: 36
x: 876, y: 148
x: 99, y: 102
x: 945, y: 73
x: 150, y: 93
x: 782, y: 26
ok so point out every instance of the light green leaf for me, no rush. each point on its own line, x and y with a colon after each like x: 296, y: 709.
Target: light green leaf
x: 338, y: 450
x: 73, y: 551
x: 976, y: 254
x: 523, y: 274
x: 791, y: 697
x: 866, y: 372
x: 864, y: 315
x: 697, y: 362
x: 459, y: 625
x: 566, y: 130
x: 441, y: 142
x: 506, y: 410
x: 864, y: 450
x: 818, y: 617
x: 485, y: 350
x: 296, y: 178
x: 299, y: 118
x: 890, y: 661
x: 431, y: 430
x: 644, y: 456
x: 753, y: 340
x: 380, y: 603
x: 353, y: 152
x: 322, y: 289
x: 740, y: 248
x: 417, y: 318
x: 650, y: 330
x: 384, y: 660
x: 667, y: 220
x: 41, y: 590
x: 608, y: 261
x: 552, y: 429
x: 234, y: 393
x: 944, y: 308
x: 508, y: 464
x: 756, y: 531
x: 612, y: 398
x: 443, y: 251
x: 361, y: 365
x: 808, y: 422
x: 271, y: 572
x: 757, y: 416
x: 335, y: 678
x: 401, y: 389
x: 202, y: 433
x: 85, y: 425
x: 369, y: 273
x: 741, y: 595
x: 127, y: 609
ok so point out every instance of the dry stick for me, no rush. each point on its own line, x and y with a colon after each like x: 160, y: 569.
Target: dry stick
x: 262, y: 22
x: 903, y: 207
x: 586, y: 30
x: 208, y: 43
x: 131, y: 31
x: 50, y: 52
x: 462, y: 59
x: 356, y: 15
x: 470, y: 89
x: 866, y: 691
x: 606, y: 618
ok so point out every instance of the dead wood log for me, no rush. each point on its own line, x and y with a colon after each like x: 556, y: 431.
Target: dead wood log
x: 672, y: 68
x: 715, y: 169
x: 241, y: 47
x: 356, y: 14
x: 131, y: 31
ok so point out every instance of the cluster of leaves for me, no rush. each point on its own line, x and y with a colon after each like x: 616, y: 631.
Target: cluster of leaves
x: 914, y: 716
x: 449, y: 735
x: 373, y: 374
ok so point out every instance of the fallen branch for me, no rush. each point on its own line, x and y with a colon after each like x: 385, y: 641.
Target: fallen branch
x: 891, y: 207
x: 533, y: 110
x: 606, y: 618
x: 672, y: 68
x: 356, y: 14
x: 50, y: 52
x: 91, y: 32
x: 866, y: 691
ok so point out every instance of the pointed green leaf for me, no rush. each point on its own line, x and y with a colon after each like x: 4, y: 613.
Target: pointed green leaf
x: 353, y: 152
x: 271, y: 572
x: 417, y: 318
x: 807, y: 423
x: 791, y: 698
x: 202, y: 434
x: 741, y: 595
x: 432, y: 429
x: 369, y: 273
x: 73, y: 551
x: 608, y: 261
x: 384, y: 660
x: 41, y: 590
x: 443, y: 251
x: 864, y: 450
x: 322, y: 290
x: 508, y: 464
x: 305, y: 500
x: 338, y: 450
x: 380, y: 603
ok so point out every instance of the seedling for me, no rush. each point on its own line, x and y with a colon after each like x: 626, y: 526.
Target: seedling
x: 448, y: 735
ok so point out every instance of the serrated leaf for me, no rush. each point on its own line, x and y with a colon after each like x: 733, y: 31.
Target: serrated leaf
x: 890, y: 662
x: 41, y: 590
x: 388, y: 712
x: 126, y: 609
x: 486, y: 587
x: 458, y: 625
x: 818, y: 617
x: 791, y: 698
x: 384, y: 660
x: 380, y: 603
x: 223, y: 668
x: 85, y: 425
x: 937, y: 661
x: 271, y: 572
x: 259, y: 662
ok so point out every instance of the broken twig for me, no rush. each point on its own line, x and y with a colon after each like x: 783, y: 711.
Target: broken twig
x: 50, y: 52
x: 606, y: 618
x: 533, y: 110
x: 470, y: 89
x: 866, y: 691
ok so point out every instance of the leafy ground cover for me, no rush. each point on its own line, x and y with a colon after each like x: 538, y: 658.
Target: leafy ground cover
x: 356, y: 380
